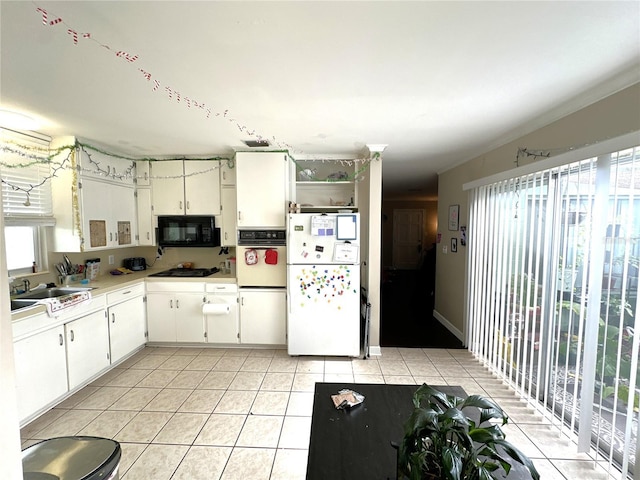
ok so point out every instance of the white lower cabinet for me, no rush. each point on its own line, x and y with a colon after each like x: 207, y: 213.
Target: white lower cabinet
x: 41, y: 370
x: 87, y: 347
x: 263, y: 316
x: 223, y: 324
x: 174, y: 312
x: 127, y: 321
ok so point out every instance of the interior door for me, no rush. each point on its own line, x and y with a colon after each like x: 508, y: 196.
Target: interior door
x: 408, y: 234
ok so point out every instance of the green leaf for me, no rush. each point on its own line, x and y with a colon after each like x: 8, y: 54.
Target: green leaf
x: 520, y: 457
x: 452, y: 463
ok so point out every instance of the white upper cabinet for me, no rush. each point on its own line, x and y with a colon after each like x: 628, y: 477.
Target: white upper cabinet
x: 143, y: 175
x: 167, y: 187
x: 228, y: 172
x: 189, y: 187
x: 262, y: 189
x: 229, y: 212
x: 108, y: 213
x: 95, y: 209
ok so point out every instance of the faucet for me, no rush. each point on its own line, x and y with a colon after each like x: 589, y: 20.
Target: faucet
x: 27, y: 285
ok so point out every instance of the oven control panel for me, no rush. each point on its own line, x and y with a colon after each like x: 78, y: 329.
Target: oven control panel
x: 262, y: 237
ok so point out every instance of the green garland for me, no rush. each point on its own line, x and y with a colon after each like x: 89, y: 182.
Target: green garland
x: 48, y: 156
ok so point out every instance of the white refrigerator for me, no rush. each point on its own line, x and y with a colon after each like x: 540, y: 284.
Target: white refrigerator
x: 323, y: 284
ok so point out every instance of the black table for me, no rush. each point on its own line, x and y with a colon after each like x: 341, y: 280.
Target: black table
x: 356, y: 443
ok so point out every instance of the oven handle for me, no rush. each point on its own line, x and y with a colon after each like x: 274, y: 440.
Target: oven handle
x: 262, y: 247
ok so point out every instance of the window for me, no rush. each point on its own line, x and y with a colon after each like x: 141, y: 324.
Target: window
x: 552, y: 303
x: 22, y: 243
x: 26, y: 199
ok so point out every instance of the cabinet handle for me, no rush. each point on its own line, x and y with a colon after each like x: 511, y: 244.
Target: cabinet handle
x: 113, y: 318
x: 127, y: 292
x: 116, y: 235
x: 224, y: 175
x: 147, y: 235
x: 72, y: 335
x: 61, y: 339
x: 111, y: 236
x: 188, y: 205
x: 177, y: 303
x: 170, y: 303
x: 225, y: 235
x: 180, y: 204
x: 239, y: 215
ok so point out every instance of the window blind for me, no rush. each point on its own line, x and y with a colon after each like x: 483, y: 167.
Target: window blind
x: 554, y: 259
x: 25, y: 173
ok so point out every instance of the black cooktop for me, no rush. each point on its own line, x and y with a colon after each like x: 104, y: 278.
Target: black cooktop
x: 187, y: 272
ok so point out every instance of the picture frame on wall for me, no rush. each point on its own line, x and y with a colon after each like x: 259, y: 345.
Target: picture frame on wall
x: 454, y: 245
x: 454, y: 217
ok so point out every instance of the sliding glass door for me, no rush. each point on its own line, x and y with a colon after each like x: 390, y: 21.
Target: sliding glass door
x: 552, y: 295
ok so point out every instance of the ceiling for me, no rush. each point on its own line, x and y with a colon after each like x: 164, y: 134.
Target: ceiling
x: 438, y: 82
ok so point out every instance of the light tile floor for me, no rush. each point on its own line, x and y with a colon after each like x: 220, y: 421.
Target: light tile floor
x: 209, y: 413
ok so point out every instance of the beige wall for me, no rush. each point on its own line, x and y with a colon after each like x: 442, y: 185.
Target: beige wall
x: 615, y: 115
x: 430, y: 228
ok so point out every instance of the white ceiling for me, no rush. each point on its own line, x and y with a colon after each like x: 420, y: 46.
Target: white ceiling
x: 439, y: 82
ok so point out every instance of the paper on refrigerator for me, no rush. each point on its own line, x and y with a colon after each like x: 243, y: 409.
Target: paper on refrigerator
x: 323, y: 226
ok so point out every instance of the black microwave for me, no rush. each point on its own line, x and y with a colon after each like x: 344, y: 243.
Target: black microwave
x: 187, y: 231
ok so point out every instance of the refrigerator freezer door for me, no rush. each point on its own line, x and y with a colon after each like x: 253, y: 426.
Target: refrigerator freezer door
x: 324, y: 310
x: 312, y: 239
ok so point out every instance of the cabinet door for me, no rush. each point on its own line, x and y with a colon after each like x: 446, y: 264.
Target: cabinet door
x: 189, y: 318
x: 87, y: 347
x: 143, y: 176
x: 229, y: 211
x: 223, y: 328
x: 161, y: 319
x: 146, y: 230
x: 108, y: 214
x: 127, y: 327
x: 96, y: 214
x: 227, y: 173
x: 41, y: 370
x: 167, y: 187
x: 263, y: 317
x: 123, y: 215
x: 202, y: 187
x: 262, y: 193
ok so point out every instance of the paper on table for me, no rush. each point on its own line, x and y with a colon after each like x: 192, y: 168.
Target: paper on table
x: 347, y: 398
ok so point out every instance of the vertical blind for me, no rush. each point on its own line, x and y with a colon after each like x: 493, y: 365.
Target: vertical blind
x: 25, y: 173
x: 552, y: 289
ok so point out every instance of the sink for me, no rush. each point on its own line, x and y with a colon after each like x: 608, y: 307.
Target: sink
x: 17, y: 304
x: 50, y: 293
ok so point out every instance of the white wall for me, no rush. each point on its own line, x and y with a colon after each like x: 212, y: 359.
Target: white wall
x: 370, y: 207
x: 11, y: 463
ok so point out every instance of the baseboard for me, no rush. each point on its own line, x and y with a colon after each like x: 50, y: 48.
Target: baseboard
x: 449, y: 326
x: 375, y: 351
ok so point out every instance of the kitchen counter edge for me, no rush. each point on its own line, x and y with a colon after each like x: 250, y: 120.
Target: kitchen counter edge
x: 109, y: 283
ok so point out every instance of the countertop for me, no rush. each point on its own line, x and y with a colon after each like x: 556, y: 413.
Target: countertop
x: 108, y: 283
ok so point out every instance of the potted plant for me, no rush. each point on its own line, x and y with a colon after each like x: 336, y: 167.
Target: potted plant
x: 442, y: 441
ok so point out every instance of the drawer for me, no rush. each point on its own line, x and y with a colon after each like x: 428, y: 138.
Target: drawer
x: 173, y: 287
x: 221, y: 288
x: 125, y: 294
